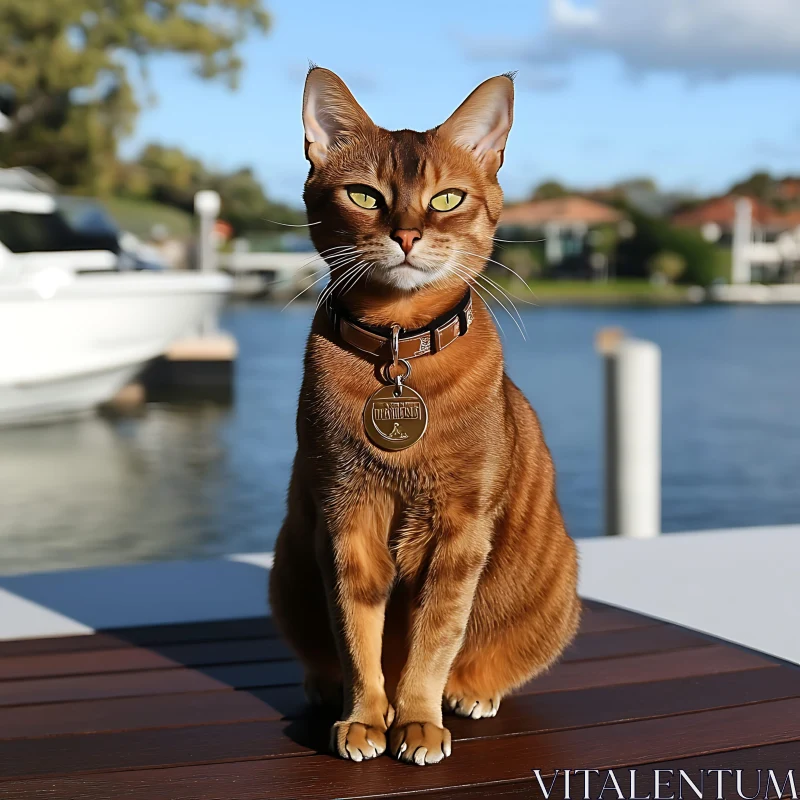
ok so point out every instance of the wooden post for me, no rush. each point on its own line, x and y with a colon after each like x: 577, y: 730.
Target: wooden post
x: 632, y: 435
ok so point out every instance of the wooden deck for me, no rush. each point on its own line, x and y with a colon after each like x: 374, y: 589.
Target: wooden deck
x: 215, y: 710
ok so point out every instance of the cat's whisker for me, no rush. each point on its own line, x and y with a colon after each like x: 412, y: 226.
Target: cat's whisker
x: 504, y: 266
x: 287, y: 225
x: 347, y: 269
x: 518, y: 241
x: 343, y: 258
x: 345, y: 279
x: 303, y: 291
x: 476, y: 276
x: 465, y: 278
x: 356, y: 279
x: 317, y: 257
x: 487, y: 279
x: 331, y: 287
x: 480, y: 275
x: 477, y: 288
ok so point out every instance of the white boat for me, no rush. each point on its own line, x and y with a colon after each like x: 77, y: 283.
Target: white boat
x: 73, y: 329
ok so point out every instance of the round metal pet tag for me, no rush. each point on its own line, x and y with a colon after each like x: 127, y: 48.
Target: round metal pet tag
x: 395, y: 417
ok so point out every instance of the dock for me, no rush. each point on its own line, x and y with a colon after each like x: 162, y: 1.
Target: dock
x: 170, y: 681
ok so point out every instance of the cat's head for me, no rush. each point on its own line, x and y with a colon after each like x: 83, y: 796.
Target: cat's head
x: 403, y: 209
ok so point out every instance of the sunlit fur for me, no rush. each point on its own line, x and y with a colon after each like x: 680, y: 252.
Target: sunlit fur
x: 442, y: 572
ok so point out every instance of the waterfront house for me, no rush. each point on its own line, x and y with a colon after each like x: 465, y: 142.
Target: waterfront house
x: 773, y: 249
x: 565, y: 223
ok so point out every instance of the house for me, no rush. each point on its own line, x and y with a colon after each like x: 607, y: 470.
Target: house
x: 716, y: 217
x: 565, y: 223
x: 765, y: 241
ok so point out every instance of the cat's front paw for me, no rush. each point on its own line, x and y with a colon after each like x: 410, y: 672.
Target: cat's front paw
x: 466, y: 705
x: 357, y: 741
x: 420, y: 743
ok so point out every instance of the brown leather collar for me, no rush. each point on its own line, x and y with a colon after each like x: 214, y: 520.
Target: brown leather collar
x: 375, y: 339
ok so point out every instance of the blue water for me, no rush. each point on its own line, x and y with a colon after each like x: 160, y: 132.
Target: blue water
x: 197, y: 482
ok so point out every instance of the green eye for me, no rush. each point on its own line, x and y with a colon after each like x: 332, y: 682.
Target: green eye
x: 364, y: 197
x: 447, y: 200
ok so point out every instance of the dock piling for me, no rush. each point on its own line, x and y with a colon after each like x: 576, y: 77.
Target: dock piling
x: 632, y: 432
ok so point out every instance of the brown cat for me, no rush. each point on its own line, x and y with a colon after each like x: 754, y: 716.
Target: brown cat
x: 442, y: 572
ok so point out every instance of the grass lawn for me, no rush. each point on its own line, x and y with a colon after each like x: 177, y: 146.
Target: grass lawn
x: 139, y: 216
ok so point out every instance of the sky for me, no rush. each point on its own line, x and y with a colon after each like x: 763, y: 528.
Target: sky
x: 694, y: 93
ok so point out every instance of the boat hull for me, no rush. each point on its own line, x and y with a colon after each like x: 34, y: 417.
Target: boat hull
x: 68, y: 349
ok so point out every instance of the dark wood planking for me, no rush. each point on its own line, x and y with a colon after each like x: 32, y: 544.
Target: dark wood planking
x: 57, y: 755
x: 596, y: 619
x: 135, y: 659
x: 577, y: 675
x: 65, y: 755
x: 136, y: 713
x: 779, y: 757
x: 704, y: 660
x: 93, y: 687
x: 60, y: 644
x: 608, y: 618
x: 232, y: 651
x: 632, y: 641
x: 486, y: 762
x: 565, y: 709
x: 251, y: 628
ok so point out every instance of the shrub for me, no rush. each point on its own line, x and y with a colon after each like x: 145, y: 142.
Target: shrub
x: 670, y: 265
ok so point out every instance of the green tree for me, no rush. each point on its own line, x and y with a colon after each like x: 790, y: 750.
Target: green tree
x: 654, y: 235
x: 521, y: 259
x: 65, y: 72
x: 642, y: 183
x: 170, y: 176
x: 760, y: 185
x: 549, y: 190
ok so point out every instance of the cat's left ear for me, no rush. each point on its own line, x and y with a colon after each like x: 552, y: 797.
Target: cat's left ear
x: 482, y: 122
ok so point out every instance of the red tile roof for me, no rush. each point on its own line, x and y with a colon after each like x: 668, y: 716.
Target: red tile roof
x: 722, y: 211
x: 564, y: 209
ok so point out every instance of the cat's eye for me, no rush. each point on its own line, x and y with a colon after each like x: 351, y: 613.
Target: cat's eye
x: 447, y: 200
x: 364, y: 197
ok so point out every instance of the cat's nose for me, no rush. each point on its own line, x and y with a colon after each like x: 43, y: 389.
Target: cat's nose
x: 406, y: 237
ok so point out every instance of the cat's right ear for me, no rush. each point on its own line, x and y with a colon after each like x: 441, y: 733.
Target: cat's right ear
x: 330, y: 114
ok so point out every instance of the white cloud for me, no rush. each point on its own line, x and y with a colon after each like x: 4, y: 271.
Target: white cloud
x: 541, y: 80
x: 702, y: 39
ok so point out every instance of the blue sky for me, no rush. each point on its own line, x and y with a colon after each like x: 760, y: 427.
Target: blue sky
x: 695, y: 93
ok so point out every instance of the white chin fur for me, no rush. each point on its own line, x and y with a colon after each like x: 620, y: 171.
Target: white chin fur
x: 404, y: 277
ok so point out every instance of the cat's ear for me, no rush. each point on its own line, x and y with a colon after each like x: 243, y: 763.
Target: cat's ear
x: 330, y: 113
x: 482, y: 122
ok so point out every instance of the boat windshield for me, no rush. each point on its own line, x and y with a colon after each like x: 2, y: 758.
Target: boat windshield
x: 25, y: 232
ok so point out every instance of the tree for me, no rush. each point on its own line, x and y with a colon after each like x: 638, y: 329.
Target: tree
x: 170, y: 176
x: 759, y: 185
x: 521, y: 259
x: 655, y: 235
x: 549, y: 190
x: 64, y: 72
x: 642, y: 183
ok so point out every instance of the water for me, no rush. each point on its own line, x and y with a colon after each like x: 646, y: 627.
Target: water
x: 198, y: 482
